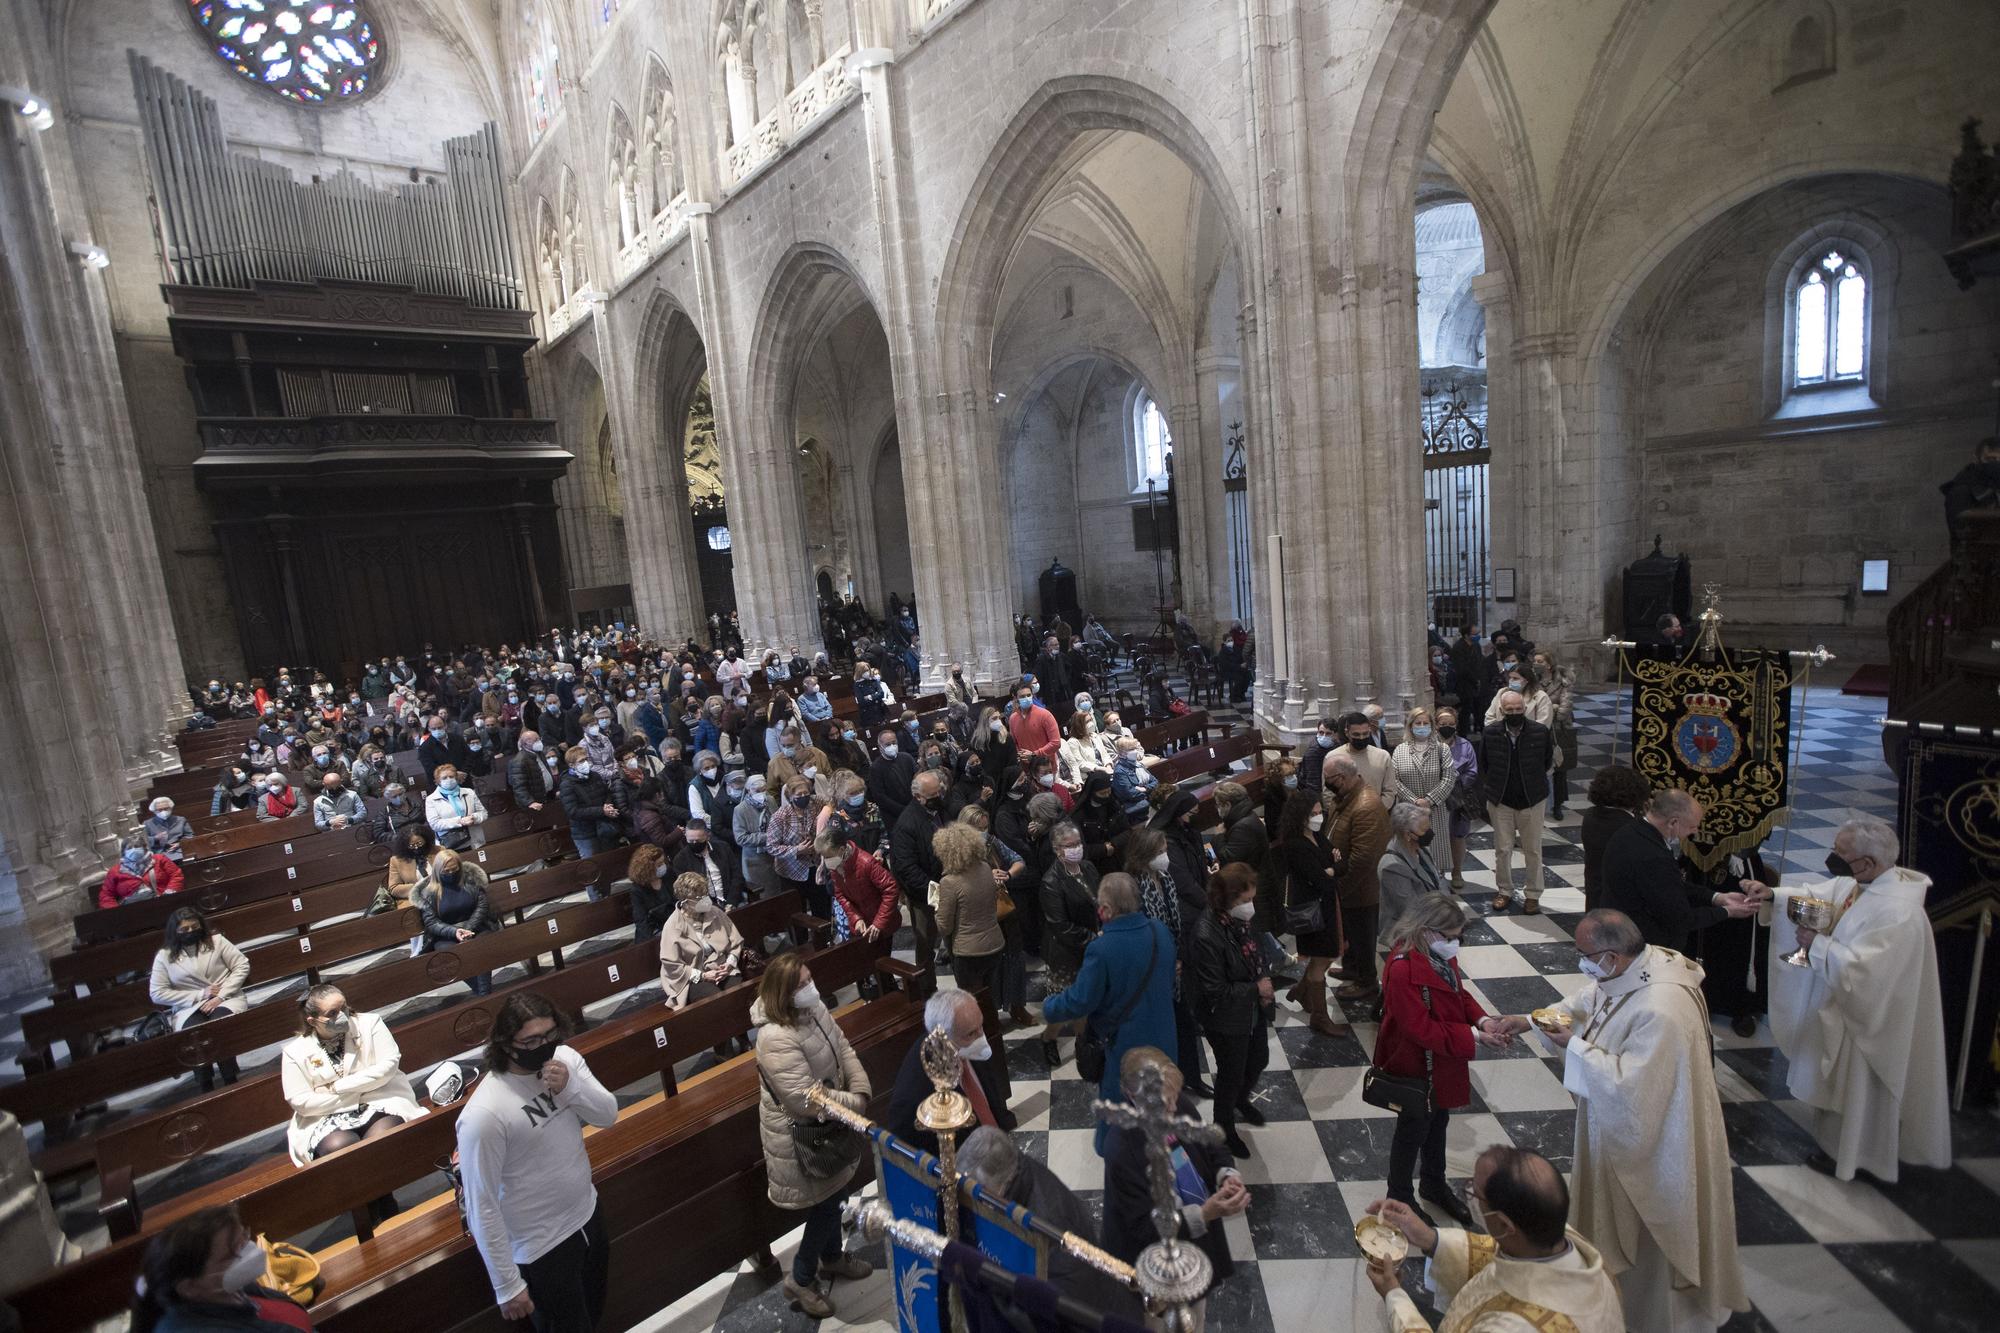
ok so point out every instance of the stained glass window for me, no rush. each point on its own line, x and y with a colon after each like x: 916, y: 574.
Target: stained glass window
x: 1830, y: 309
x: 306, y: 51
x: 1151, y: 439
x: 541, y: 81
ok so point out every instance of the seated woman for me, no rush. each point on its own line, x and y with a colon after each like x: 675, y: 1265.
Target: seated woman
x: 233, y: 792
x: 452, y: 903
x: 138, y: 874
x: 198, y: 975
x: 645, y: 883
x: 699, y: 945
x: 409, y: 860
x: 165, y: 829
x: 343, y: 1077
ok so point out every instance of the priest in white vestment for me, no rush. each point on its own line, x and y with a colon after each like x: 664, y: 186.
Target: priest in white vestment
x: 1862, y: 1024
x: 1529, y: 1273
x: 1653, y: 1189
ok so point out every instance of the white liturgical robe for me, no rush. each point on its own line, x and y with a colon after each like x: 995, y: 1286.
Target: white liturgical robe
x: 1488, y: 1292
x: 1863, y: 1025
x: 1652, y: 1185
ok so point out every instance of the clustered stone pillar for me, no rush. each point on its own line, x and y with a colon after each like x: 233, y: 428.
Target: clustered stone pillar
x: 89, y: 660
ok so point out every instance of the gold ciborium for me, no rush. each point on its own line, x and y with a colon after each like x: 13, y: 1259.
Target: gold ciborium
x: 1813, y: 914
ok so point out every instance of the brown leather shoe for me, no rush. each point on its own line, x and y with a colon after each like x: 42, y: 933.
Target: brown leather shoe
x: 1531, y: 908
x: 1326, y: 1027
x: 808, y: 1301
x: 1501, y: 902
x: 1355, y: 990
x: 848, y: 1268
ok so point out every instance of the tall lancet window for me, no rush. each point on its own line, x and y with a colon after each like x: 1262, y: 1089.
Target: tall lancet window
x: 306, y: 51
x: 1830, y: 313
x: 541, y: 68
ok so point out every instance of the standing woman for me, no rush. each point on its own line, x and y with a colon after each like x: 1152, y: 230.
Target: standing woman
x: 1523, y: 681
x: 1230, y: 993
x: 1465, y: 797
x: 1561, y: 688
x: 968, y: 908
x: 992, y: 743
x: 1406, y: 871
x: 1311, y: 876
x: 1148, y: 862
x: 1421, y: 768
x: 788, y: 839
x: 800, y: 1047
x: 748, y: 826
x: 1069, y: 923
x: 1618, y: 795
x: 198, y: 975
x: 1430, y: 1024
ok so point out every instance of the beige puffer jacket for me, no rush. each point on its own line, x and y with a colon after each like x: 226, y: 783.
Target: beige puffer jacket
x: 792, y: 1059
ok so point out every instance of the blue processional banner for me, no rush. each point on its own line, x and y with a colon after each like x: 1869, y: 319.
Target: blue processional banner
x: 910, y: 1181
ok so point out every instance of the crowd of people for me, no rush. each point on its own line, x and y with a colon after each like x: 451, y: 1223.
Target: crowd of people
x: 1030, y: 833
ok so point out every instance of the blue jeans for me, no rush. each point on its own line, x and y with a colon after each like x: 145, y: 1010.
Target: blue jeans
x: 821, y: 1242
x: 584, y: 846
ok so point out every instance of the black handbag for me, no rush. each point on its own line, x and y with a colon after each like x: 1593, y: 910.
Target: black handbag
x: 1308, y: 918
x: 1405, y: 1094
x: 1090, y: 1048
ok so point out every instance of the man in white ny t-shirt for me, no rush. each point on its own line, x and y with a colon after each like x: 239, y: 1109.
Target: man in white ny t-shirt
x: 529, y: 1200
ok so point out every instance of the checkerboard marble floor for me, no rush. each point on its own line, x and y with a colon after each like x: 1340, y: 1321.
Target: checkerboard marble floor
x: 1819, y: 1256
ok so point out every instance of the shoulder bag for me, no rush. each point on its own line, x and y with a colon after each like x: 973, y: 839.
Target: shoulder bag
x: 1307, y: 918
x: 1405, y: 1094
x: 1090, y: 1048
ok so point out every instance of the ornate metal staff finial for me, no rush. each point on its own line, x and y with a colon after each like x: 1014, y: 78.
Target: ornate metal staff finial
x: 1171, y: 1275
x: 1709, y: 644
x: 945, y: 1112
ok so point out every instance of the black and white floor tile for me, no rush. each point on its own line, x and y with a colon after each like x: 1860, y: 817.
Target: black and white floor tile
x: 1820, y: 1256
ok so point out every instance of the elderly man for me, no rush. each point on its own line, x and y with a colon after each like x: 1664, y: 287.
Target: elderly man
x: 532, y: 772
x: 982, y: 1075
x: 1861, y: 1022
x: 912, y: 860
x: 1528, y: 1270
x: 1642, y: 876
x: 992, y: 1160
x: 1516, y: 754
x: 336, y: 807
x: 1357, y: 826
x: 1652, y: 1170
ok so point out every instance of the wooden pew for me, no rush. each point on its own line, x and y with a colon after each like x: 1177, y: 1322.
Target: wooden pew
x: 1201, y: 760
x: 1175, y: 733
x: 280, y: 1200
x: 148, y: 915
x: 58, y: 1092
x: 177, y: 1133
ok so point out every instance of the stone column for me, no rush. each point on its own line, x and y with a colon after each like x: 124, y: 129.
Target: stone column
x: 1506, y: 473
x: 856, y: 504
x: 1217, y: 376
x: 947, y: 432
x: 1197, y: 495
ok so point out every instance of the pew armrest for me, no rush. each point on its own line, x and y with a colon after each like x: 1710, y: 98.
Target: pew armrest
x: 810, y: 929
x: 1279, y: 747
x: 914, y: 981
x: 118, y: 1203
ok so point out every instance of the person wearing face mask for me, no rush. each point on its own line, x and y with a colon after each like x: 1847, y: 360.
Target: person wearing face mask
x: 1101, y: 821
x: 857, y: 816
x: 1327, y: 739
x: 1311, y: 894
x: 204, y: 1274
x: 601, y: 738
x: 138, y: 874
x: 699, y: 945
x: 1069, y: 922
x: 336, y: 807
x: 371, y: 773
x: 275, y: 798
x: 788, y: 838
x: 1033, y: 728
x: 1431, y: 1025
x: 1080, y: 756
x: 233, y: 793
x: 866, y: 894
x: 1518, y: 678
x: 1861, y: 1023
x: 1231, y: 997
x: 992, y: 743
x: 1357, y: 833
x: 452, y: 903
x: 164, y: 829
x: 1149, y: 861
x: 748, y: 825
x: 889, y: 776
x: 913, y: 858
x: 439, y: 746
x: 530, y: 1205
x: 705, y: 787
x: 968, y: 908
x: 454, y: 810
x: 1421, y: 765
x: 1525, y: 1269
x: 1131, y: 781
x: 343, y: 1076
x: 198, y: 975
x: 1638, y: 1056
x: 800, y: 1047
x: 704, y: 854
x: 1464, y: 799
x: 1515, y: 756
x: 872, y: 699
x: 982, y: 1074
x: 586, y: 796
x: 1406, y: 871
x: 1643, y: 877
x: 531, y: 772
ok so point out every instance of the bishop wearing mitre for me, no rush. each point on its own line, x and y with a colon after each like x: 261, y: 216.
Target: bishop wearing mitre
x: 1862, y: 1023
x: 1652, y: 1183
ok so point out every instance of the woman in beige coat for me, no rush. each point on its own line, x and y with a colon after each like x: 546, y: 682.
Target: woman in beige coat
x: 800, y: 1047
x: 968, y: 908
x: 699, y: 944
x: 199, y: 975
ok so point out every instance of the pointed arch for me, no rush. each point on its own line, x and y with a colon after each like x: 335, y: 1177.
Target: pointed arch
x: 661, y: 177
x: 548, y: 257
x: 621, y: 178
x: 575, y: 252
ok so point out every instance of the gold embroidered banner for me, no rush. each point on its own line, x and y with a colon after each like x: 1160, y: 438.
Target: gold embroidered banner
x: 1717, y: 724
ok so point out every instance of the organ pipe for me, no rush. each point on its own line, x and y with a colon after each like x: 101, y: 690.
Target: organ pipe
x: 229, y: 219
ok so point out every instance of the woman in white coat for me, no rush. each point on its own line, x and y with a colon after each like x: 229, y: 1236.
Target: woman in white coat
x: 454, y: 811
x: 199, y: 975
x: 343, y: 1077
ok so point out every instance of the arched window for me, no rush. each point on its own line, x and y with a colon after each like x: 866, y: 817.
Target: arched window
x: 1830, y: 320
x: 606, y: 10
x: 311, y: 54
x: 1152, y: 441
x: 541, y: 68
x: 622, y: 178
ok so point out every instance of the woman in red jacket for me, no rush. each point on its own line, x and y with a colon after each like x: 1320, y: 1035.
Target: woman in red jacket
x: 862, y: 886
x: 1430, y: 1025
x: 138, y: 869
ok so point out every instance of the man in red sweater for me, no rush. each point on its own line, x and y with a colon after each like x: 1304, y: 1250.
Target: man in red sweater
x: 1033, y: 726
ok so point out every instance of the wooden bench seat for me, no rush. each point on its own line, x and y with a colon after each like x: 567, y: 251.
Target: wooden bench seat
x: 1179, y: 732
x: 1198, y: 761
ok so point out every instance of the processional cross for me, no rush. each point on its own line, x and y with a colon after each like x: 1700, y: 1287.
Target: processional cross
x: 1171, y: 1275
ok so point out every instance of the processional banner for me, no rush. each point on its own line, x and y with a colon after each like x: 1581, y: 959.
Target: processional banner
x: 1718, y: 725
x: 910, y: 1182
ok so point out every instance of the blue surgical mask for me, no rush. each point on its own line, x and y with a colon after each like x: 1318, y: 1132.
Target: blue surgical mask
x: 1421, y: 733
x: 448, y: 784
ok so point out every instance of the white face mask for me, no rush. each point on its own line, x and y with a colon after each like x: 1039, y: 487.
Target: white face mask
x: 1073, y: 854
x: 1445, y: 949
x: 246, y: 1268
x: 978, y: 1051
x: 888, y: 752
x: 1243, y: 911
x: 1314, y: 822
x: 1593, y: 969
x: 806, y: 996
x: 1158, y: 865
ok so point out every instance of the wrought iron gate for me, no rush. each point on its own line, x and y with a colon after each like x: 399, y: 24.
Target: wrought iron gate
x: 1236, y: 524
x: 1457, y: 505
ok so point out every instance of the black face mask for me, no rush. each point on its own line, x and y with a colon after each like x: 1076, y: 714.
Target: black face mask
x: 1446, y: 733
x: 1424, y: 838
x: 533, y: 1058
x: 1361, y: 744
x: 450, y: 880
x: 1516, y: 721
x: 1838, y: 867
x: 188, y: 938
